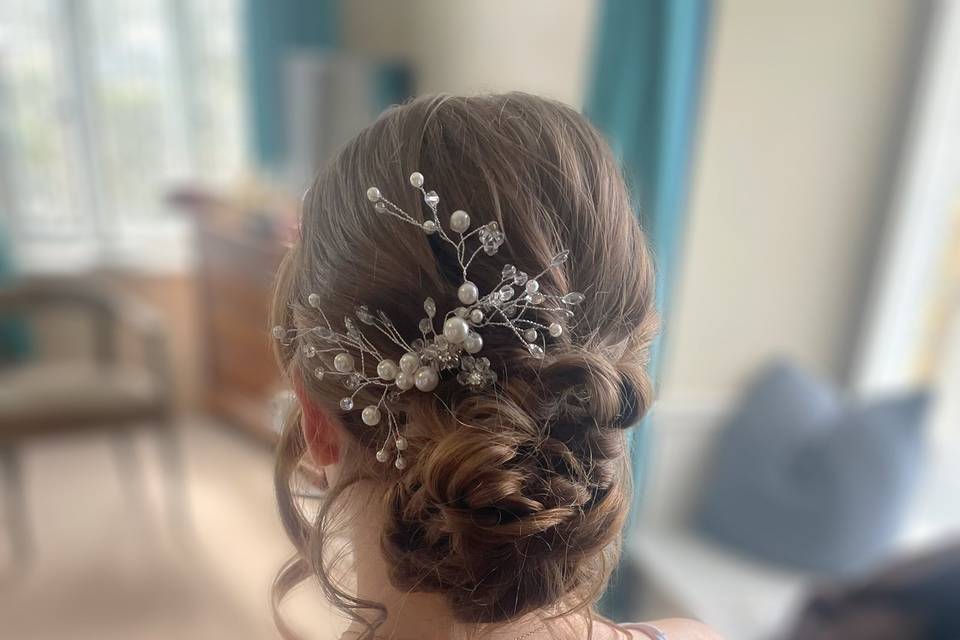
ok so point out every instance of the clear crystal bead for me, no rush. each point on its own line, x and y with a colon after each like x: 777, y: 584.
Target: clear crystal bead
x: 346, y: 404
x: 491, y: 238
x: 318, y: 373
x: 431, y: 198
x: 573, y: 298
x: 520, y: 279
x: 324, y: 332
x: 430, y: 307
x: 425, y: 325
x: 508, y: 271
x: 506, y: 292
x: 560, y: 258
x: 536, y: 351
x: 309, y: 350
x: 351, y: 382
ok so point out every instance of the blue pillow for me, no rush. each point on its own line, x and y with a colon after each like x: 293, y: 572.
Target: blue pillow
x: 801, y: 478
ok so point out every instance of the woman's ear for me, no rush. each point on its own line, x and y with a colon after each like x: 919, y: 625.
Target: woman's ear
x: 320, y: 431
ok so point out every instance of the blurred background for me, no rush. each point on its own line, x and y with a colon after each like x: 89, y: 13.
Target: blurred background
x: 797, y: 165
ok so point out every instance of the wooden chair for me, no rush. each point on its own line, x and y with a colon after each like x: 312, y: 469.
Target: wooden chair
x: 104, y: 392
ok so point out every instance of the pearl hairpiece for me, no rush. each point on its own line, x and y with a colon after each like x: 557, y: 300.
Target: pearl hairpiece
x: 456, y: 347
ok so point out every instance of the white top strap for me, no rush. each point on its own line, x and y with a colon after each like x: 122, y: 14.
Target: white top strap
x: 648, y: 629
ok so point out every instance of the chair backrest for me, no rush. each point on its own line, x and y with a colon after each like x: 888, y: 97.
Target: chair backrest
x: 56, y: 309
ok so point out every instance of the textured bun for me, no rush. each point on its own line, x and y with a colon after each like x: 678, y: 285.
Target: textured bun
x: 513, y: 497
x: 531, y: 478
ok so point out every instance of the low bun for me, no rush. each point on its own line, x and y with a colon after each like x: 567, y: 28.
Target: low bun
x: 531, y: 476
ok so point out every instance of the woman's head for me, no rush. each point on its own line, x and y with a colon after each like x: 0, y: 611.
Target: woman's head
x: 513, y: 496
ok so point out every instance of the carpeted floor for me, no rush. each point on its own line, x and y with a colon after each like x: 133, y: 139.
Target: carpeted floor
x: 106, y: 564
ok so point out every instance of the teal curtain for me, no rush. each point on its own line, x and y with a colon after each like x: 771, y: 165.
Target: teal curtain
x: 648, y: 72
x: 273, y: 29
x: 15, y: 343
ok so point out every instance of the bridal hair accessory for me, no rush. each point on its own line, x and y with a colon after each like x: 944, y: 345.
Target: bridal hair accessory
x: 456, y: 346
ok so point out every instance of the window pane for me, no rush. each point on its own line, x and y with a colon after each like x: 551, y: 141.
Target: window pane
x: 38, y: 121
x: 214, y: 28
x: 139, y: 119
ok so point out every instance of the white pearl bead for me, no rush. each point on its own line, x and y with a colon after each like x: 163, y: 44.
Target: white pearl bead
x: 459, y: 220
x: 279, y: 332
x: 429, y: 226
x: 370, y: 415
x: 455, y: 330
x: 476, y: 316
x: 401, y: 443
x: 387, y: 369
x: 404, y: 380
x: 343, y: 362
x: 373, y: 194
x: 426, y: 379
x: 530, y: 335
x: 416, y: 179
x: 409, y: 362
x: 314, y: 300
x: 473, y: 343
x: 381, y: 456
x: 468, y: 293
x: 400, y: 463
x: 555, y: 329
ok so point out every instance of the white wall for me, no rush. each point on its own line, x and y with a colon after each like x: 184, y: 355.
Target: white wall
x: 469, y: 46
x: 801, y: 111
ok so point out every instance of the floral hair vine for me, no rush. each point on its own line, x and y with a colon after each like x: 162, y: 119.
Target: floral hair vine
x: 456, y: 346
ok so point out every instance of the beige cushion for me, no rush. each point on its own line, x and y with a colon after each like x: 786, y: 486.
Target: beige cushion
x: 46, y: 397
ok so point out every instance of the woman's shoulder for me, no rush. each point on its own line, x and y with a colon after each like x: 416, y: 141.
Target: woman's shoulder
x: 672, y: 629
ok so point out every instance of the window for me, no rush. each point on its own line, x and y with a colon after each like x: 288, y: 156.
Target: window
x: 105, y: 104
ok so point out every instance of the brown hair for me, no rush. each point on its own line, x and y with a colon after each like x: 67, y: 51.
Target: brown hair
x: 531, y: 474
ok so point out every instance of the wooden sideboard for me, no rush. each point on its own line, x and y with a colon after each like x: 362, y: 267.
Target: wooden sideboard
x: 238, y: 252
